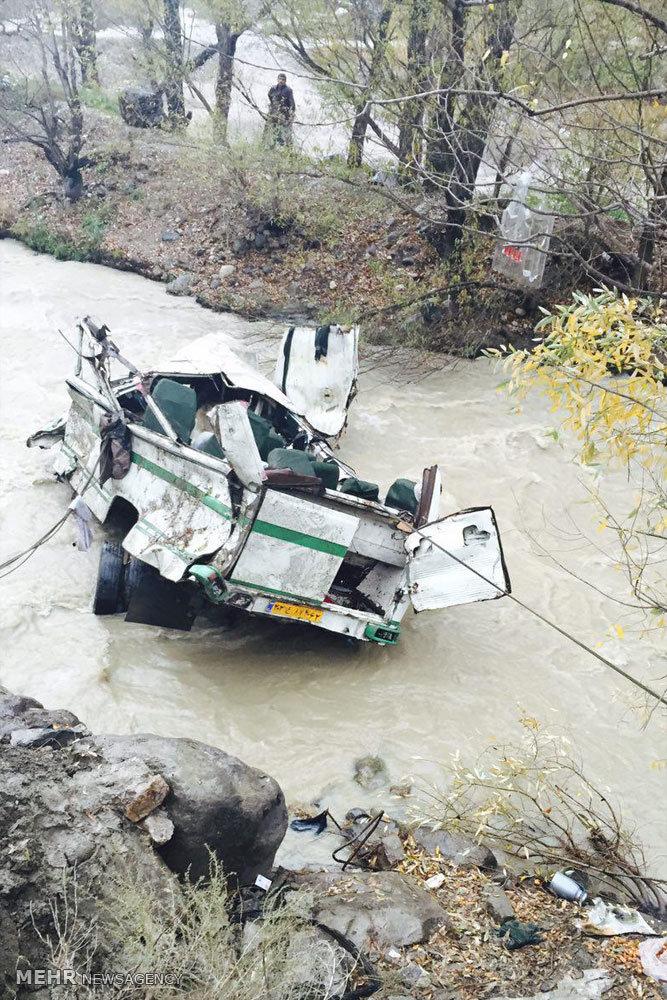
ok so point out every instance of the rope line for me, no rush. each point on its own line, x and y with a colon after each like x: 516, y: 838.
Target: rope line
x: 18, y: 560
x: 548, y: 622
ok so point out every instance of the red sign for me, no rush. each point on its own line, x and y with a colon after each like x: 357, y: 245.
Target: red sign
x: 514, y: 253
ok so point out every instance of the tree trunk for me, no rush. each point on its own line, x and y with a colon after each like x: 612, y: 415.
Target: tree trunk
x: 86, y: 43
x: 657, y: 218
x: 227, y: 40
x: 409, y: 135
x: 355, y: 152
x: 173, y: 40
x: 460, y: 132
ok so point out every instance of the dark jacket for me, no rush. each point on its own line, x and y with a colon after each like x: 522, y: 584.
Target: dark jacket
x: 281, y: 101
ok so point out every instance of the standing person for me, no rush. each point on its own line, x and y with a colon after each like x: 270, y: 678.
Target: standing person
x: 281, y: 113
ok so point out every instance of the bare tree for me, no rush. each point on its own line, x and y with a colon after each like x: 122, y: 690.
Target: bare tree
x: 45, y: 110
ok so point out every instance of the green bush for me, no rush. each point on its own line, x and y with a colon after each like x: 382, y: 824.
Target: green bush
x: 93, y: 97
x: 36, y: 234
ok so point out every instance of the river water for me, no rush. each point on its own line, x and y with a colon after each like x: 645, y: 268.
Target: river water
x: 298, y: 702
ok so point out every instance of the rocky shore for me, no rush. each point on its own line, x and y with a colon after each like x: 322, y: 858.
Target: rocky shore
x: 96, y: 830
x: 338, y: 254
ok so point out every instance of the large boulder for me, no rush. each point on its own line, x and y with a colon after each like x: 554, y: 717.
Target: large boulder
x: 141, y: 108
x: 382, y: 908
x: 82, y: 815
x: 216, y: 803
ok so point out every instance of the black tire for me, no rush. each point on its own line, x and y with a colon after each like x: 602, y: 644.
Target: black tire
x: 133, y: 573
x: 109, y: 577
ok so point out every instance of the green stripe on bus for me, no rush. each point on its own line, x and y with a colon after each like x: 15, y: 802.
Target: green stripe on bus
x: 182, y: 484
x: 261, y: 527
x: 299, y: 538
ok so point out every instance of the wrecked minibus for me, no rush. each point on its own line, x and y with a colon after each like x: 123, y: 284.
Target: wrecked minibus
x: 230, y: 493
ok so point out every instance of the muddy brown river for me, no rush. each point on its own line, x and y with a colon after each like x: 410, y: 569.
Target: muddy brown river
x: 300, y: 703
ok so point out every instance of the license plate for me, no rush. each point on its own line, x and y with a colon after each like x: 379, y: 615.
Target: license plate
x: 295, y: 611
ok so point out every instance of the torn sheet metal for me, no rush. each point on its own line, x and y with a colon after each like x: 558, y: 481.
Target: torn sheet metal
x: 318, y: 370
x: 295, y: 547
x: 185, y: 510
x: 232, y: 426
x: 213, y: 355
x: 440, y: 580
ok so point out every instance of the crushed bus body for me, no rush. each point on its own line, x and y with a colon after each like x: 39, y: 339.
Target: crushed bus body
x: 232, y: 495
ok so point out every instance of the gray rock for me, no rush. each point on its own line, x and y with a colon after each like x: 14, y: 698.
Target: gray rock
x: 215, y: 283
x: 225, y: 271
x: 216, y: 802
x: 408, y: 261
x: 383, y: 906
x: 371, y: 772
x: 390, y: 851
x: 498, y: 904
x: 169, y: 236
x: 43, y: 736
x: 455, y: 847
x: 414, y: 975
x: 59, y: 812
x: 158, y: 826
x: 181, y: 285
x: 21, y: 712
x: 593, y: 985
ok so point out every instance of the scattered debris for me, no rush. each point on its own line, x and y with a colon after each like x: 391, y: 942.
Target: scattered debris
x: 609, y: 919
x: 517, y: 934
x: 315, y: 823
x: 566, y: 887
x: 50, y: 736
x: 653, y: 955
x: 592, y: 985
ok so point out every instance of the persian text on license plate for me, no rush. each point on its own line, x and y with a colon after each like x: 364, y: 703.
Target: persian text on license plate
x: 295, y: 611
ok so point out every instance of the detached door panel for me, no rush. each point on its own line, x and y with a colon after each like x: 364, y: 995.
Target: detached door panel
x: 317, y: 370
x: 471, y: 567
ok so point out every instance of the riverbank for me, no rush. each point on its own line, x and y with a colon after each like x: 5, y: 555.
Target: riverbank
x: 419, y: 913
x: 311, y: 247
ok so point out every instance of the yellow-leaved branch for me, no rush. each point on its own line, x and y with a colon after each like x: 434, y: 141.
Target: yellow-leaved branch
x: 602, y: 362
